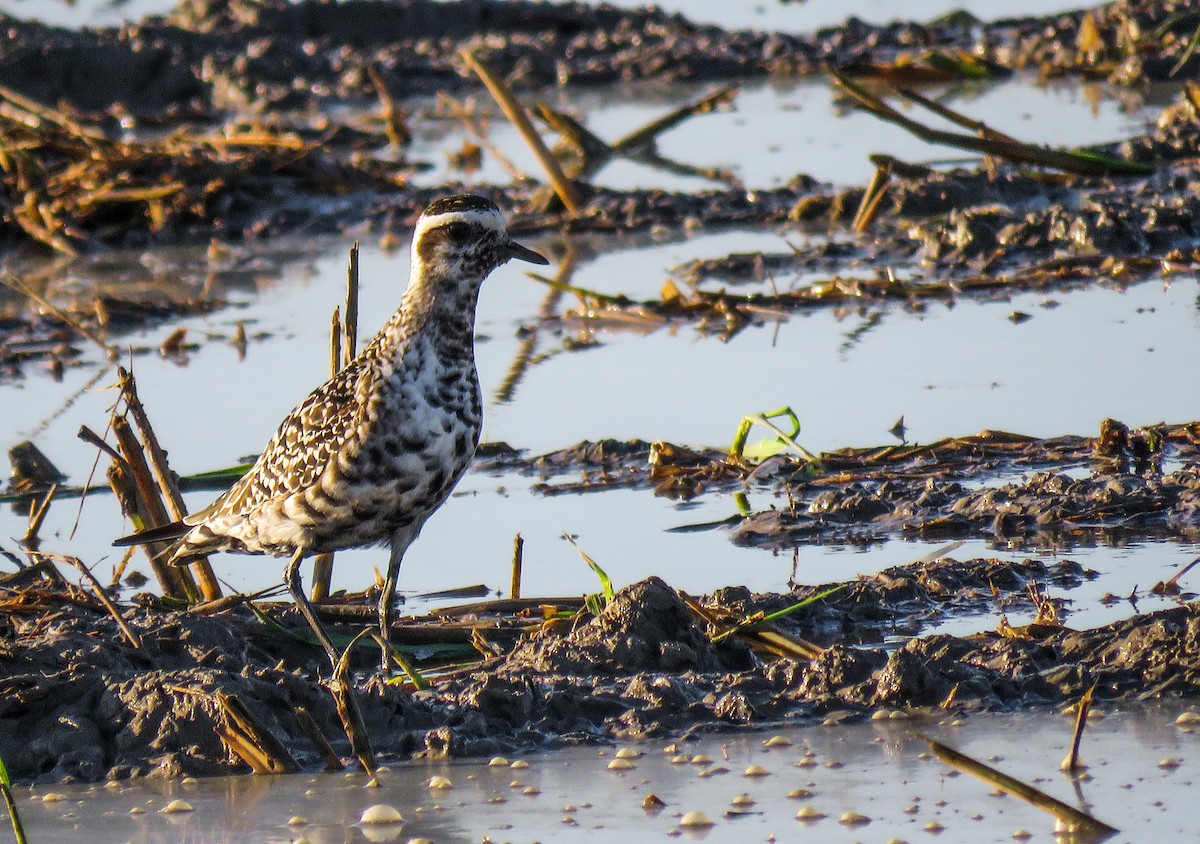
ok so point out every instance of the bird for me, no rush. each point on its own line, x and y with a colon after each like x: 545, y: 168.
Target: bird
x: 369, y: 455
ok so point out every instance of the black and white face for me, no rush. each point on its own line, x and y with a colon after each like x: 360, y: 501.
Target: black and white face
x: 463, y: 237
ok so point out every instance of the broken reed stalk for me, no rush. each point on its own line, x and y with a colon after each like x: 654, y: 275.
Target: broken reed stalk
x: 1080, y: 162
x: 350, y: 327
x: 594, y: 151
x: 309, y: 725
x: 393, y: 117
x: 11, y: 805
x: 120, y: 480
x: 514, y: 589
x: 350, y: 715
x: 247, y: 737
x: 335, y: 340
x: 176, y: 581
x: 167, y: 482
x: 127, y: 631
x: 977, y: 126
x: 872, y: 199
x: 37, y: 517
x: 343, y: 347
x: 647, y: 134
x: 1073, y: 819
x: 516, y: 115
x: 1072, y: 763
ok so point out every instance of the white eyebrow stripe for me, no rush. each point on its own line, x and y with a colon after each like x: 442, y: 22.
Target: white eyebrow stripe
x: 489, y: 219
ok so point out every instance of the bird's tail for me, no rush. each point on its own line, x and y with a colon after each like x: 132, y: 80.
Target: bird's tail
x: 159, y: 534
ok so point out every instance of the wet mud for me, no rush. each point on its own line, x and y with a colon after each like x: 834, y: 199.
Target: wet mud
x: 1009, y: 489
x: 647, y: 665
x: 207, y: 55
x: 210, y: 123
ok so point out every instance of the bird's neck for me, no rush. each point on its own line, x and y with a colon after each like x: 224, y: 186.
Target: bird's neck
x: 440, y: 309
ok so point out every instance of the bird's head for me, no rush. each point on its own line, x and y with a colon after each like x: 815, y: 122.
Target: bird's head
x: 462, y: 238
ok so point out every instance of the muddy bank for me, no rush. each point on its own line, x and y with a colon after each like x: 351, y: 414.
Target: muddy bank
x: 208, y: 56
x: 1012, y: 490
x: 81, y: 703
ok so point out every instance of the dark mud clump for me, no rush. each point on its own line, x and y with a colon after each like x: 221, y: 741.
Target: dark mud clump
x: 79, y: 702
x: 647, y: 627
x: 1010, y: 489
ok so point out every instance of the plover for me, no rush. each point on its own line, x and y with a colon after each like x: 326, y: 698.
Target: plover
x: 372, y: 452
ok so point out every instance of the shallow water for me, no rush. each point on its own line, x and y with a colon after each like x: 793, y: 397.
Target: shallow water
x: 873, y: 768
x: 948, y: 371
x: 849, y: 373
x: 782, y: 128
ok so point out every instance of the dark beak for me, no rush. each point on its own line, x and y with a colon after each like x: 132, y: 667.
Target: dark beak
x: 523, y: 253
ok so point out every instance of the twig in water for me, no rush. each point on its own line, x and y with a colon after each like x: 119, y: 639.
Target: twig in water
x: 1069, y: 817
x: 1072, y: 764
x: 514, y: 589
x: 11, y: 805
x: 311, y: 729
x: 1079, y: 162
x: 350, y: 329
x: 872, y: 199
x: 176, y: 582
x: 563, y: 186
x: 37, y: 517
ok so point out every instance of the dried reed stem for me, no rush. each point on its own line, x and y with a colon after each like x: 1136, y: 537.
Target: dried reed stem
x: 500, y: 92
x: 168, y: 484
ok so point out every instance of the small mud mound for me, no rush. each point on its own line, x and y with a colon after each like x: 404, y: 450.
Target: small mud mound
x: 645, y: 628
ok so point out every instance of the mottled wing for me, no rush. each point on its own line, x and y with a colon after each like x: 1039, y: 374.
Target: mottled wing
x: 320, y: 427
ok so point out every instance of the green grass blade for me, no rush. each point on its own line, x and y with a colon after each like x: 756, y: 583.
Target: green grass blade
x: 6, y: 792
x: 751, y: 624
x: 605, y: 581
x: 769, y: 447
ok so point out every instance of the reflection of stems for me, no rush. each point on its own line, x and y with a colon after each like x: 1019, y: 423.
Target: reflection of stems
x: 518, y: 367
x: 639, y: 144
x: 528, y: 344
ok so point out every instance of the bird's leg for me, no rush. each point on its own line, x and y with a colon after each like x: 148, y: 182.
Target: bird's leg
x: 292, y: 579
x: 387, y: 598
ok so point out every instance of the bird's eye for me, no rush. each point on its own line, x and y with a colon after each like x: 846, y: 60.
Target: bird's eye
x: 459, y: 232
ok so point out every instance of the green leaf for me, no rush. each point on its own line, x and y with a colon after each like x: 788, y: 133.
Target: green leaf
x: 770, y: 446
x: 4, y: 774
x: 594, y: 603
x: 605, y: 581
x: 768, y: 619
